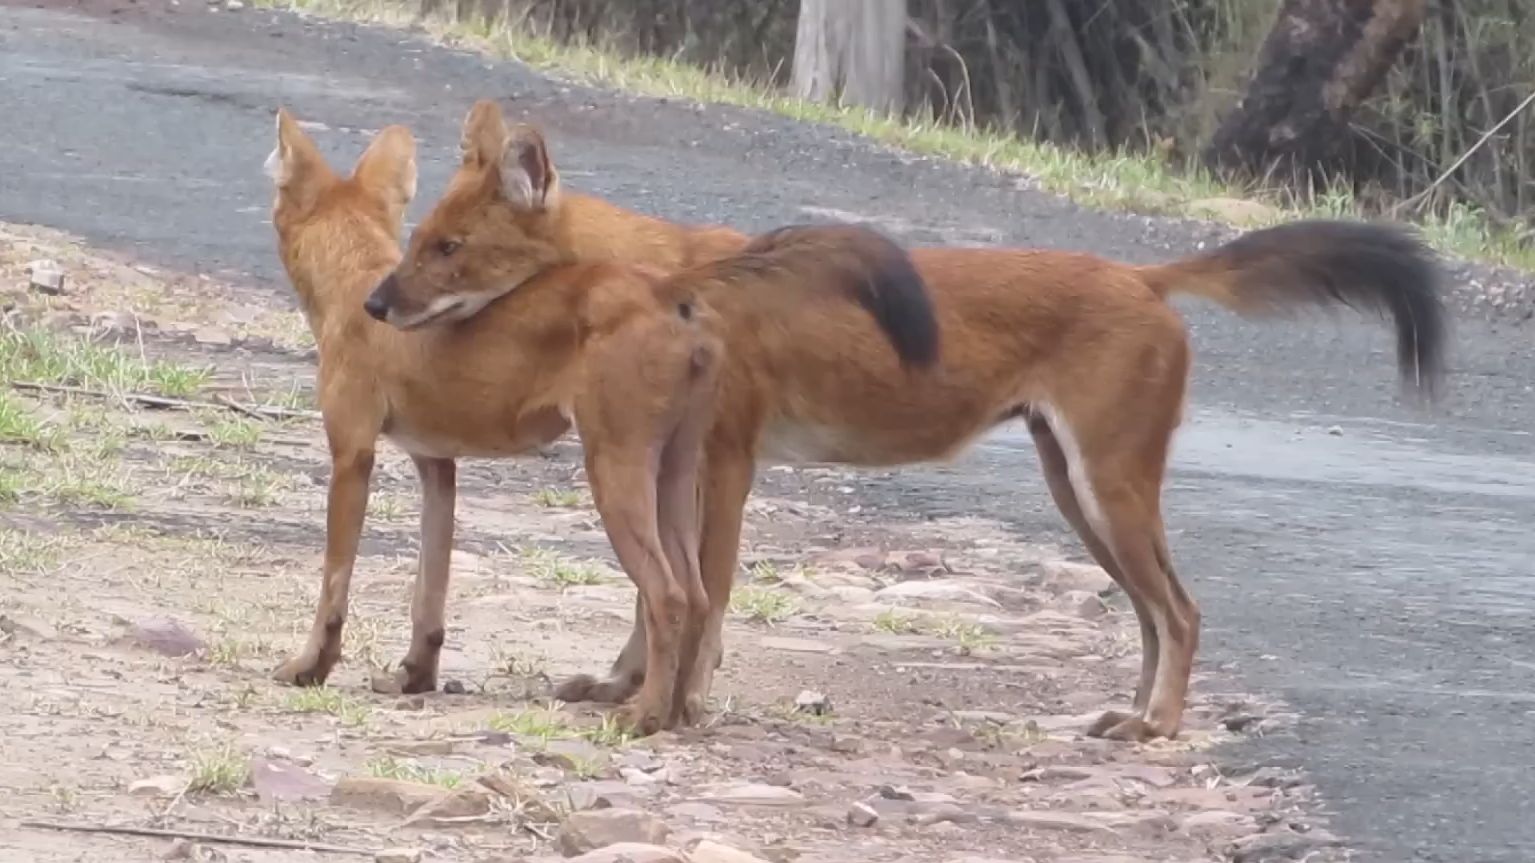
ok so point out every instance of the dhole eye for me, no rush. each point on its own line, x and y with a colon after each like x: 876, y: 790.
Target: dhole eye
x: 448, y: 247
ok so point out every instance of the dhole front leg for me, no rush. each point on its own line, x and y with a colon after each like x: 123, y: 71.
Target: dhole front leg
x: 346, y: 505
x: 439, y: 488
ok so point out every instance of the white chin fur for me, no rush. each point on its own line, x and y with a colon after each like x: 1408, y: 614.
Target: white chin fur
x: 443, y: 310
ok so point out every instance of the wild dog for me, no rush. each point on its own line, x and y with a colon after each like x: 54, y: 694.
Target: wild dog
x: 1086, y: 351
x: 628, y: 355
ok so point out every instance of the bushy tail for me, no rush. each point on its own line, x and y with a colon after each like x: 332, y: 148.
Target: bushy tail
x: 861, y: 263
x: 1318, y: 262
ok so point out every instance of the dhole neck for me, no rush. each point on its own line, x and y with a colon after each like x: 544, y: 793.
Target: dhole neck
x: 594, y: 230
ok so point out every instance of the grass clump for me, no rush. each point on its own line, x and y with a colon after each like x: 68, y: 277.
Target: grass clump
x: 44, y: 357
x: 557, y: 570
x: 389, y: 767
x: 763, y: 604
x: 323, y: 699
x: 221, y: 770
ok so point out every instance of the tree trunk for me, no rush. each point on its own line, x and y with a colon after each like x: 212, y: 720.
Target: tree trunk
x: 1319, y: 62
x: 853, y: 50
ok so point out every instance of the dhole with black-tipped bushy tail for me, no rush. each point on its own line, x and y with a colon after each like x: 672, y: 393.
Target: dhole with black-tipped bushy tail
x: 1086, y: 351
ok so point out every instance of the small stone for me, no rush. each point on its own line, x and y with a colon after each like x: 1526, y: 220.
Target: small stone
x: 1335, y: 431
x: 234, y: 5
x: 46, y: 276
x: 398, y: 855
x: 1062, y: 576
x: 1240, y: 722
x: 631, y: 852
x: 701, y: 813
x: 275, y: 780
x: 812, y: 702
x: 389, y: 795
x: 1051, y: 820
x: 410, y: 702
x: 213, y: 337
x: 754, y: 794
x: 862, y: 815
x: 708, y: 851
x: 115, y: 322
x: 166, y: 636
x: 1279, y: 845
x: 599, y: 828
x: 1218, y: 824
x: 1081, y: 603
x: 468, y: 801
x: 942, y: 813
x: 454, y: 687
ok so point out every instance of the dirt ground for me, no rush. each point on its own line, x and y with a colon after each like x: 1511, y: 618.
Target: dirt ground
x: 892, y: 690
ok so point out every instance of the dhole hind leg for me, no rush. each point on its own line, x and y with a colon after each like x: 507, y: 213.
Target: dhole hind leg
x: 728, y: 475
x: 624, y: 488
x: 345, y: 507
x: 418, y: 670
x: 1057, y: 473
x: 679, y: 516
x: 1134, y: 531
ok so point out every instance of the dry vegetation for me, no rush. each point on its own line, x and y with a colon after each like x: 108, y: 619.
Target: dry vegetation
x: 1106, y: 102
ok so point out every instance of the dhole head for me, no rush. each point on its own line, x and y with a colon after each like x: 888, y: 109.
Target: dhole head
x: 493, y: 229
x: 310, y: 197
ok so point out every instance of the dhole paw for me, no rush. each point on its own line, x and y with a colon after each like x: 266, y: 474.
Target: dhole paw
x: 303, y: 670
x: 584, y: 687
x: 641, y: 720
x: 694, y: 707
x: 1113, y: 725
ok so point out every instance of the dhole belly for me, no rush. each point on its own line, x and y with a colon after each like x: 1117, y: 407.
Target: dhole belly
x: 493, y: 440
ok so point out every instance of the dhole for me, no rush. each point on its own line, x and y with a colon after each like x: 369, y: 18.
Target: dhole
x: 628, y: 355
x: 1086, y: 351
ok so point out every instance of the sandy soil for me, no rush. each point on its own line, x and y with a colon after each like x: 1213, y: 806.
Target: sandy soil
x: 159, y: 561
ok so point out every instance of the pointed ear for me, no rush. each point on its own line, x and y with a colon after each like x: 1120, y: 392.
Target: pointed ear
x: 388, y: 167
x: 484, y: 137
x: 528, y: 178
x: 295, y: 160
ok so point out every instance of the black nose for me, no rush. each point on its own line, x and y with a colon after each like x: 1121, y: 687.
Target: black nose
x: 377, y: 303
x: 375, y: 306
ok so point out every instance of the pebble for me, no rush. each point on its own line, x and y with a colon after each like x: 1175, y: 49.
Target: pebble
x: 754, y: 794
x: 631, y: 852
x: 388, y: 795
x: 812, y: 702
x: 599, y: 828
x: 709, y: 851
x: 46, y: 276
x: 862, y: 815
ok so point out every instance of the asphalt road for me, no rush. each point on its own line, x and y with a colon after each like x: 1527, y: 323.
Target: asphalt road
x: 1379, y: 579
